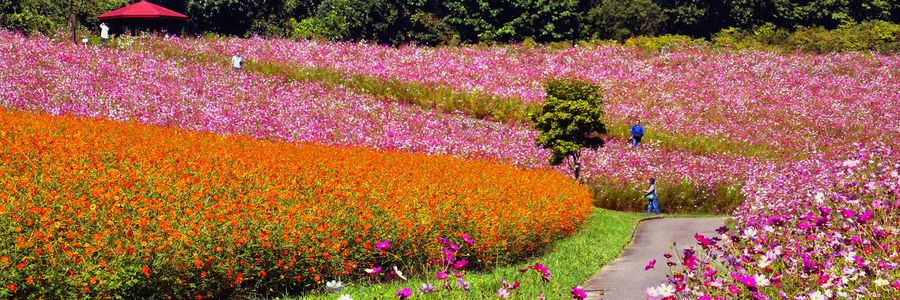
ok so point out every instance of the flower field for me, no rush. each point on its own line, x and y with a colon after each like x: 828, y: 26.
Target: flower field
x: 801, y: 102
x: 129, y: 173
x: 95, y: 208
x: 818, y: 229
x: 55, y: 78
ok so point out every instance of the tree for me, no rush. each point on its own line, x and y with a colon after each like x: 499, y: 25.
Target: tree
x: 621, y: 19
x: 512, y: 20
x: 570, y: 120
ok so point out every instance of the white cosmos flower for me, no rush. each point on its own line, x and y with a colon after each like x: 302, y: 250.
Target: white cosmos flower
x: 334, y: 286
x: 817, y: 295
x: 666, y: 290
x: 820, y: 198
x: 761, y: 280
x: 880, y: 282
x: 652, y: 292
x: 399, y: 274
x: 345, y: 297
x: 764, y: 262
x: 749, y: 233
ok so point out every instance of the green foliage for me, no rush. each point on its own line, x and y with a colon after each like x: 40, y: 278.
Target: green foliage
x: 505, y: 21
x: 570, y: 119
x: 231, y: 16
x: 870, y: 35
x: 664, y: 42
x: 615, y: 19
x: 28, y: 22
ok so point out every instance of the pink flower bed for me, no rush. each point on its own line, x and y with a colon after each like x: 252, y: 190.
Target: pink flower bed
x: 39, y: 75
x: 796, y: 101
x: 816, y: 229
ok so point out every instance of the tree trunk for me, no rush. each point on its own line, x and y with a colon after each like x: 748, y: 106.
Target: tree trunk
x: 577, y: 166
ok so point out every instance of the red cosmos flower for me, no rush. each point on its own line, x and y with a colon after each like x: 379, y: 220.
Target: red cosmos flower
x: 11, y: 287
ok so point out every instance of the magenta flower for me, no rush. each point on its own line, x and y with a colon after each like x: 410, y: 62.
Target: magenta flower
x: 734, y: 290
x: 650, y: 265
x: 508, y: 286
x: 864, y: 217
x: 373, y: 271
x: 578, y: 293
x: 383, y: 245
x: 545, y: 273
x: 746, y: 280
x: 404, y: 293
x: 466, y: 239
x: 460, y: 264
x: 442, y: 275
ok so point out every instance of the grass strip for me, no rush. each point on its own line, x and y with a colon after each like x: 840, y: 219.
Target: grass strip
x: 571, y: 262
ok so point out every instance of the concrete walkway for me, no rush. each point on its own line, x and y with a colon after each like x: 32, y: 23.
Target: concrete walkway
x: 625, y: 278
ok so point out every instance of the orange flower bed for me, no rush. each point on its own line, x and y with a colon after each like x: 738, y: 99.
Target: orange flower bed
x: 92, y: 208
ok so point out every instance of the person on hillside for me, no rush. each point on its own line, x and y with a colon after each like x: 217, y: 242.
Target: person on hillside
x: 637, y: 133
x: 104, y: 34
x: 237, y: 62
x: 652, y: 198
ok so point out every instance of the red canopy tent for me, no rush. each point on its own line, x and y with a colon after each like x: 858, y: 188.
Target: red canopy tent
x: 143, y: 15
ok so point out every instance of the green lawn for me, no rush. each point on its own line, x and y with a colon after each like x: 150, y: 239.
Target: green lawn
x: 571, y: 262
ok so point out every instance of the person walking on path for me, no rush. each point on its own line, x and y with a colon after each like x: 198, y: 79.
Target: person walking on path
x: 637, y: 133
x: 237, y: 62
x: 104, y: 34
x: 652, y: 198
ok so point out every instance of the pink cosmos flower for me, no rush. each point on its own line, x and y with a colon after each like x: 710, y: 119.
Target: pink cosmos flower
x: 466, y: 239
x: 383, y: 245
x: 502, y: 293
x: 404, y: 293
x: 578, y: 293
x: 545, y: 273
x: 508, y: 286
x: 373, y: 271
x: 460, y: 264
x: 650, y: 265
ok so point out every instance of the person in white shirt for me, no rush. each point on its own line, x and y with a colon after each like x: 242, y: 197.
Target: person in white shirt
x: 104, y: 34
x: 653, y: 198
x: 237, y: 62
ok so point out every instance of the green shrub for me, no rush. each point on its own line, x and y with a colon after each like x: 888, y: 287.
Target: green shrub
x: 664, y: 42
x: 678, y: 197
x: 870, y: 35
x: 28, y: 22
x: 622, y: 19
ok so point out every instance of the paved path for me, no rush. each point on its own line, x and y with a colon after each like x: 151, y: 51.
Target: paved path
x: 625, y: 278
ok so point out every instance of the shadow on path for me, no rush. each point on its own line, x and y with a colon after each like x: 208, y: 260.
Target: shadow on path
x: 625, y: 278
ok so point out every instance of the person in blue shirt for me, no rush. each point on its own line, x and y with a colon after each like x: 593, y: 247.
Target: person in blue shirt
x: 637, y: 133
